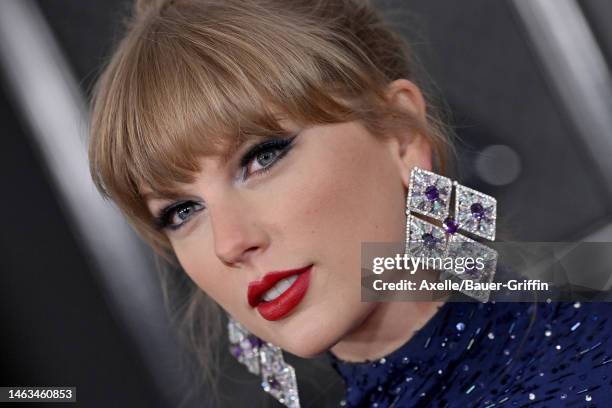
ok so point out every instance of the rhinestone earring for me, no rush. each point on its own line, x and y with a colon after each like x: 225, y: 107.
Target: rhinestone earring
x: 265, y: 359
x: 475, y: 213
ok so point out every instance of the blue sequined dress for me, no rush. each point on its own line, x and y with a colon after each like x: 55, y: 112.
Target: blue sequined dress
x: 493, y: 355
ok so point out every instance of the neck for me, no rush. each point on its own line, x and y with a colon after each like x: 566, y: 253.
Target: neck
x: 387, y: 328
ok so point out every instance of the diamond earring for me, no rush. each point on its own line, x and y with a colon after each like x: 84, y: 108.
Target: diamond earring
x: 265, y: 359
x: 475, y: 213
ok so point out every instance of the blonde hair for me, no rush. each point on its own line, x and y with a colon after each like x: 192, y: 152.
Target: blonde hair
x: 199, y: 77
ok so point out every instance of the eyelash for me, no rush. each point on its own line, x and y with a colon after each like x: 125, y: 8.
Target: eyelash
x: 282, y: 145
x: 163, y: 220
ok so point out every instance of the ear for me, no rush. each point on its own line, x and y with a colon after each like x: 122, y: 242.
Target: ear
x: 409, y: 146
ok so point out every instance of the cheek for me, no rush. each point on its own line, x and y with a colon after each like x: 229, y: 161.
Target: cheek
x: 350, y: 196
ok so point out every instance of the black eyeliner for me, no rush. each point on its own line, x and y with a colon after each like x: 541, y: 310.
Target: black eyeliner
x: 162, y: 220
x: 265, y: 146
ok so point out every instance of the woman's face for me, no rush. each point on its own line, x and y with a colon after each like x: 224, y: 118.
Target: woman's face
x: 311, y: 202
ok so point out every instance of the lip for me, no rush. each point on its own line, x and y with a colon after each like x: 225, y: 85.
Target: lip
x: 285, y: 303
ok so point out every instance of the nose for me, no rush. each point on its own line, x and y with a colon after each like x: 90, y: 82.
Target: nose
x: 236, y: 232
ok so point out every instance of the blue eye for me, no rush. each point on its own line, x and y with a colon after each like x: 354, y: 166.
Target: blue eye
x: 263, y: 160
x: 262, y: 156
x: 174, y: 216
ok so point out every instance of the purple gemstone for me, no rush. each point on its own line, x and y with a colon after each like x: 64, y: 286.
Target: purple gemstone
x: 477, y: 210
x: 432, y: 193
x: 273, y: 383
x: 236, y: 351
x: 254, y: 341
x: 429, y: 240
x: 450, y: 225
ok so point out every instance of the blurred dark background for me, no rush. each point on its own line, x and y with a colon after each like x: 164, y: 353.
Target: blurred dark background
x: 529, y: 86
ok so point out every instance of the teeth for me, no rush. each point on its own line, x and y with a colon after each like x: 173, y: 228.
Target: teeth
x: 278, y: 289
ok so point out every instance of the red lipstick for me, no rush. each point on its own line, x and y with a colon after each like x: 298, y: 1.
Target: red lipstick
x: 285, y: 303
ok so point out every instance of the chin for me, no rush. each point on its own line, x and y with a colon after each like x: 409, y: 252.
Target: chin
x: 307, y: 345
